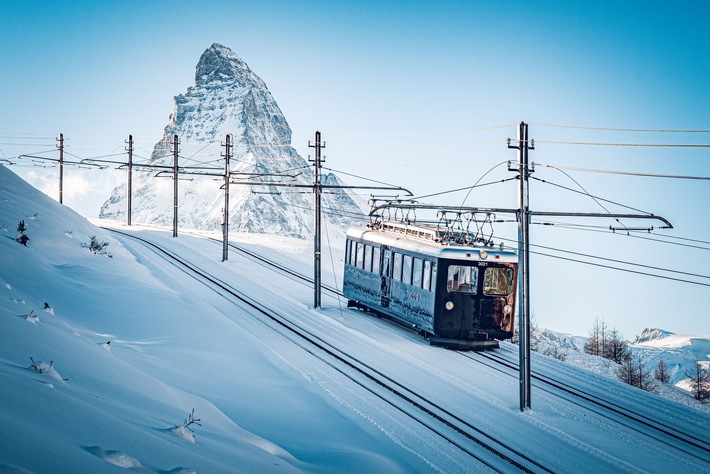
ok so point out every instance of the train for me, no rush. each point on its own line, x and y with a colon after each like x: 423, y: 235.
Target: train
x: 455, y: 292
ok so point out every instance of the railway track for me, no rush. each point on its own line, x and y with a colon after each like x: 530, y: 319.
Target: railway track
x: 690, y: 444
x: 573, y: 393
x: 475, y: 442
x: 702, y: 445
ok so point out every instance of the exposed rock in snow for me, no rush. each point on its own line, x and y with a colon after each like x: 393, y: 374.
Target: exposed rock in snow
x: 651, y: 334
x: 228, y: 98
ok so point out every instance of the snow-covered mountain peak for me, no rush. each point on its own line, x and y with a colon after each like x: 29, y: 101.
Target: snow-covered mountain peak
x: 651, y: 334
x: 228, y: 98
x: 220, y: 64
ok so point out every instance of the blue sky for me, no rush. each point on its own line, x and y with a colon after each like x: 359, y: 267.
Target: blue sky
x: 401, y: 91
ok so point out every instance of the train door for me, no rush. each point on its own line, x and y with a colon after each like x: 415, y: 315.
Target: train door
x: 385, y: 277
x: 459, y: 315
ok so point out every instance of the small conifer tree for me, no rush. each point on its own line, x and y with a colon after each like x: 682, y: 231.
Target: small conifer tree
x: 661, y: 373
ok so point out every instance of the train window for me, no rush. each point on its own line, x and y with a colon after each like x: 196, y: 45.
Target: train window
x: 426, y: 280
x: 462, y: 279
x: 347, y: 250
x: 375, y: 259
x: 386, y: 262
x: 360, y: 257
x: 498, y: 281
x: 417, y: 273
x: 397, y: 267
x: 407, y: 269
x: 368, y: 258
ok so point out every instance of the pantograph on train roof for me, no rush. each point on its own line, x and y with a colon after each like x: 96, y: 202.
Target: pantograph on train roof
x: 452, y: 226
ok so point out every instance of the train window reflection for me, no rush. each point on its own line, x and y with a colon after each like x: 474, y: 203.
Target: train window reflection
x: 426, y: 282
x: 397, y: 267
x: 498, y: 281
x: 351, y: 260
x: 368, y: 258
x: 360, y: 255
x: 376, y: 260
x: 417, y: 273
x: 407, y: 270
x: 462, y: 279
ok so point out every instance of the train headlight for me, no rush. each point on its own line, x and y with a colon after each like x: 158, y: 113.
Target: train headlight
x: 507, y: 309
x: 449, y: 305
x: 483, y: 254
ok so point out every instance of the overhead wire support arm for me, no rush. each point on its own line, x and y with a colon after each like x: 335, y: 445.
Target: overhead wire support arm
x: 666, y: 223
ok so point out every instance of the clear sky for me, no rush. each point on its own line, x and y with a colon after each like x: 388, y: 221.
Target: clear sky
x: 402, y: 92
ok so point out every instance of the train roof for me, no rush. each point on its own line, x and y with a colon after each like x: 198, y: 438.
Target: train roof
x: 428, y: 241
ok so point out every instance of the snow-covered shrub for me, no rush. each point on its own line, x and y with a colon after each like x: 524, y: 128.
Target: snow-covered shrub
x: 21, y: 237
x: 96, y: 246
x: 32, y: 318
x: 41, y: 367
x: 45, y: 368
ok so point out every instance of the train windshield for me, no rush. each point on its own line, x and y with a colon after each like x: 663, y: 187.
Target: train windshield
x: 498, y: 281
x: 462, y: 279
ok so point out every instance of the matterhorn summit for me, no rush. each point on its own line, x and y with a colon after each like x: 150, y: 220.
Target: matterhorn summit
x: 229, y: 98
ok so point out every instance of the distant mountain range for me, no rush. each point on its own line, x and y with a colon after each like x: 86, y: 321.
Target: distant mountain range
x: 229, y: 98
x: 678, y: 351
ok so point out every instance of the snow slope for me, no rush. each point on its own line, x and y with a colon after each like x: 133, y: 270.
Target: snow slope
x: 130, y: 345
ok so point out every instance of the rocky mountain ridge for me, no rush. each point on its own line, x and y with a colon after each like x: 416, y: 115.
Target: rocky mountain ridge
x: 270, y: 193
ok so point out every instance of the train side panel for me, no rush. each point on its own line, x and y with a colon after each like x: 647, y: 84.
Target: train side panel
x: 413, y: 306
x: 410, y: 305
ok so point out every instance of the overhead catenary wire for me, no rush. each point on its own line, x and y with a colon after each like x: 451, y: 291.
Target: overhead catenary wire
x: 625, y: 173
x: 606, y: 230
x: 607, y: 259
x: 589, y: 195
x: 592, y: 197
x: 479, y: 180
x: 610, y: 129
x: 360, y: 177
x: 651, y: 145
x: 621, y: 269
x: 419, y: 145
x: 419, y: 134
x: 465, y: 188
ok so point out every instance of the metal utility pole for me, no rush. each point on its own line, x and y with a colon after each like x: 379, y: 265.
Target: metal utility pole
x: 61, y: 166
x: 175, y: 183
x: 130, y: 179
x: 225, y: 215
x: 523, y: 263
x: 317, y: 188
x: 317, y: 191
